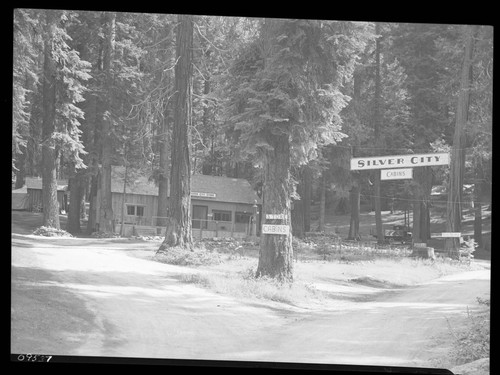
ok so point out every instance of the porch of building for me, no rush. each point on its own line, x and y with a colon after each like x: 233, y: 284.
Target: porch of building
x: 200, y: 228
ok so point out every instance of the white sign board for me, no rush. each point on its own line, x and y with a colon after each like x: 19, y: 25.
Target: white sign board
x: 396, y: 174
x: 399, y: 161
x: 451, y: 234
x: 275, y: 229
x: 203, y: 195
x: 275, y: 216
x: 420, y: 245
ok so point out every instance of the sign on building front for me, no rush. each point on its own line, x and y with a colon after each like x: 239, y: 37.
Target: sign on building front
x: 396, y: 174
x: 275, y: 229
x: 451, y: 234
x: 399, y: 161
x: 275, y: 216
x: 203, y: 195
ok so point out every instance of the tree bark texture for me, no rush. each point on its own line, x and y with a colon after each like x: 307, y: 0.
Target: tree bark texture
x: 297, y: 213
x: 106, y: 216
x: 276, y: 252
x: 377, y: 105
x: 354, y: 196
x: 378, y: 207
x: 455, y: 185
x: 49, y: 154
x: 91, y: 223
x: 307, y: 177
x: 322, y: 203
x: 76, y: 189
x: 423, y: 178
x: 164, y: 138
x: 21, y: 168
x: 163, y: 181
x: 178, y: 229
x: 33, y: 151
x: 478, y: 219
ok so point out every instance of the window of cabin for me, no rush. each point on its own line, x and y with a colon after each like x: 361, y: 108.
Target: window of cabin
x: 242, y: 217
x: 135, y: 210
x: 221, y: 215
x: 131, y: 210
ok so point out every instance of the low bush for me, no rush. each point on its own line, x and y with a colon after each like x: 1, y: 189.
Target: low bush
x: 244, y: 284
x: 51, y: 232
x: 184, y: 257
x: 467, y: 249
x: 225, y: 244
x: 472, y: 342
x: 104, y: 235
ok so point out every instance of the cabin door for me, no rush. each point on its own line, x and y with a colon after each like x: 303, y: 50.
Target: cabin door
x: 199, y: 217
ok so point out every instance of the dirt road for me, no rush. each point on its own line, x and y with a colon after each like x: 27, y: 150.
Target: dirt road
x: 93, y: 298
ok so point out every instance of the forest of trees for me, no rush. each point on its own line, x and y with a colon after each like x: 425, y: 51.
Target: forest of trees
x: 283, y: 103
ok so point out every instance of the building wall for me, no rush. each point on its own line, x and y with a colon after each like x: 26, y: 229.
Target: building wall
x: 150, y: 204
x: 35, y: 199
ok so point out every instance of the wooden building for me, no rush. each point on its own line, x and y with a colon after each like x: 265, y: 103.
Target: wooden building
x: 34, y: 191
x: 220, y: 206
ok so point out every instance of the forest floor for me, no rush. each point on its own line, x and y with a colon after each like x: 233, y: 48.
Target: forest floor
x: 340, y: 224
x: 111, y: 297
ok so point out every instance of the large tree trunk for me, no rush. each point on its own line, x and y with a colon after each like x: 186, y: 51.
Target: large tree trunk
x: 163, y: 182
x: 416, y: 219
x: 21, y: 168
x: 297, y: 214
x: 455, y: 186
x: 164, y: 146
x: 378, y: 207
x: 423, y: 178
x: 49, y: 154
x: 34, y: 142
x: 92, y: 223
x: 83, y: 213
x: 354, y: 197
x: 377, y: 124
x: 425, y: 217
x: 276, y: 252
x: 322, y: 203
x: 478, y: 220
x: 76, y: 191
x: 178, y: 229
x: 106, y: 219
x: 307, y: 177
x: 124, y: 196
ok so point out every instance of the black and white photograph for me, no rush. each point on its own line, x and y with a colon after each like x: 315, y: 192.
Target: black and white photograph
x: 250, y: 190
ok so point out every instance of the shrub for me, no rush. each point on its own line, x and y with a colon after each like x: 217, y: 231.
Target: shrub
x: 473, y: 342
x: 184, y: 257
x: 244, y: 284
x: 51, y: 232
x: 104, y: 235
x: 466, y: 250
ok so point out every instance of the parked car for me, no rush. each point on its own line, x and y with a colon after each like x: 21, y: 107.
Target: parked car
x: 398, y: 233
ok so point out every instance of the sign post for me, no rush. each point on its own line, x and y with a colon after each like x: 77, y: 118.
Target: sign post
x: 399, y: 161
x: 275, y: 228
x: 396, y: 174
x: 447, y: 235
x: 451, y: 234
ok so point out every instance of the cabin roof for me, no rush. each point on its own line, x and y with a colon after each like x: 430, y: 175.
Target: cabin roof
x: 209, y: 188
x: 36, y: 183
